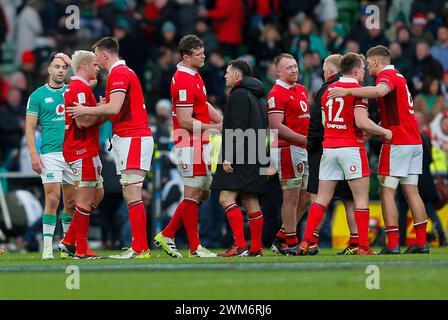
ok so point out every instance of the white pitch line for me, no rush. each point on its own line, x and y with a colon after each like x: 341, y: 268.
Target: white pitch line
x: 225, y: 266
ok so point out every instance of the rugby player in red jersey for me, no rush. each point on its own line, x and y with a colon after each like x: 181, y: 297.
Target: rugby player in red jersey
x: 344, y: 155
x: 401, y: 158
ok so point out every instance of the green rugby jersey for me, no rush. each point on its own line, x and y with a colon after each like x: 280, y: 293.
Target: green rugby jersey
x: 47, y: 104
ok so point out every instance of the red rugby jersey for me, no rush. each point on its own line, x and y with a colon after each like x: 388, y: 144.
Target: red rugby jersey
x: 292, y: 101
x: 397, y: 108
x: 188, y: 91
x: 79, y: 143
x: 132, y: 120
x: 339, y: 117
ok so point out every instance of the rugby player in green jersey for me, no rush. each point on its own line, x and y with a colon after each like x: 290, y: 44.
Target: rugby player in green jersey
x: 46, y: 108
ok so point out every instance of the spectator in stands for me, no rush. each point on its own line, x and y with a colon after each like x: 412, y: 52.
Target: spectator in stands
x: 169, y: 36
x: 306, y: 33
x: 326, y: 13
x: 352, y: 46
x: 444, y: 89
x: 162, y: 73
x: 405, y: 40
x: 228, y: 20
x: 399, y: 8
x: 186, y: 20
x: 401, y: 62
x: 202, y: 30
x: 430, y: 100
x: 425, y: 66
x: 214, y: 71
x: 269, y: 47
x: 269, y: 77
x: 419, y: 31
x: 440, y: 50
x: 29, y: 27
x: 373, y: 38
x: 163, y: 125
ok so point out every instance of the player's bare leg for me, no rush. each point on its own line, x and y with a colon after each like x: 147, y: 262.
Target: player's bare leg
x: 227, y: 199
x: 418, y: 211
x: 352, y: 247
x: 317, y: 212
x: 256, y: 220
x: 49, y: 218
x: 68, y: 196
x: 360, y: 191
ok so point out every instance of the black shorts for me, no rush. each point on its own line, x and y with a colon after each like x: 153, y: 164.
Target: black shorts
x: 342, y: 189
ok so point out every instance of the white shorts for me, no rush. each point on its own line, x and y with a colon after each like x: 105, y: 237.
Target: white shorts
x: 291, y: 164
x: 132, y: 153
x: 400, y: 160
x: 199, y: 182
x: 55, y: 169
x: 193, y: 162
x: 87, y: 172
x: 346, y: 163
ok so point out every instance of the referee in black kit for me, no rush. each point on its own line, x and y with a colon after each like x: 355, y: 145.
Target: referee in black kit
x: 315, y: 149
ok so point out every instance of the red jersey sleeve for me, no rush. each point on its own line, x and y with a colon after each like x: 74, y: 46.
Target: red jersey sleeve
x: 184, y: 95
x: 387, y: 79
x: 118, y: 82
x: 275, y: 104
x: 361, y: 103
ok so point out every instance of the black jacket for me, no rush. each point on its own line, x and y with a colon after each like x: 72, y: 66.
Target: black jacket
x: 316, y: 128
x: 244, y: 111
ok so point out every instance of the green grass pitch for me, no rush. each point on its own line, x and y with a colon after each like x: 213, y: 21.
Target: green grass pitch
x: 326, y: 276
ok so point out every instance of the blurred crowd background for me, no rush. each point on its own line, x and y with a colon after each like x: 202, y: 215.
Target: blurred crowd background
x: 148, y: 31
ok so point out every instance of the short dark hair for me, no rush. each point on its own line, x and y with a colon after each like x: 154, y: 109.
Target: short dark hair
x: 349, y: 62
x: 188, y: 43
x: 242, y: 66
x: 52, y: 57
x: 109, y: 44
x: 281, y: 56
x: 379, y: 51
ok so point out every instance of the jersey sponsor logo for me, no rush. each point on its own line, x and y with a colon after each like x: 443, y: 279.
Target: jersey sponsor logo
x: 60, y: 109
x: 49, y: 100
x: 81, y: 97
x: 184, y: 167
x: 117, y: 83
x: 50, y: 175
x: 304, y: 116
x: 353, y: 168
x: 74, y: 171
x: 182, y: 95
x: 271, y: 103
x: 336, y: 126
x: 300, y: 167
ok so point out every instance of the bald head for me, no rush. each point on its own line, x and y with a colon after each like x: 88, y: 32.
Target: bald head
x: 331, y: 66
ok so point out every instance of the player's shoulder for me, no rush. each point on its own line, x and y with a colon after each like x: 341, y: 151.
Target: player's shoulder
x: 183, y: 79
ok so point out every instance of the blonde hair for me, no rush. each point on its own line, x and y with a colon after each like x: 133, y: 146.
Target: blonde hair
x: 334, y: 60
x: 80, y: 57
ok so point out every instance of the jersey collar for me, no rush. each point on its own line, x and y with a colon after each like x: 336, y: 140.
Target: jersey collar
x: 54, y: 89
x: 347, y: 80
x: 80, y: 79
x: 389, y: 67
x: 284, y: 84
x: 181, y: 68
x: 117, y: 63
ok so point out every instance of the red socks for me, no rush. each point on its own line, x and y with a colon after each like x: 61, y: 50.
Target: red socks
x: 82, y: 229
x: 236, y: 222
x: 190, y: 216
x: 291, y: 239
x: 137, y: 217
x: 256, y: 230
x: 362, y: 221
x: 420, y: 230
x: 315, y: 215
x: 354, y: 240
x: 175, y: 222
x: 392, y: 236
x: 315, y: 237
x: 281, y: 233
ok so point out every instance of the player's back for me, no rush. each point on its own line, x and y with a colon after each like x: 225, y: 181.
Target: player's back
x: 339, y: 118
x: 79, y: 143
x: 397, y: 108
x: 132, y: 120
x: 188, y: 91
